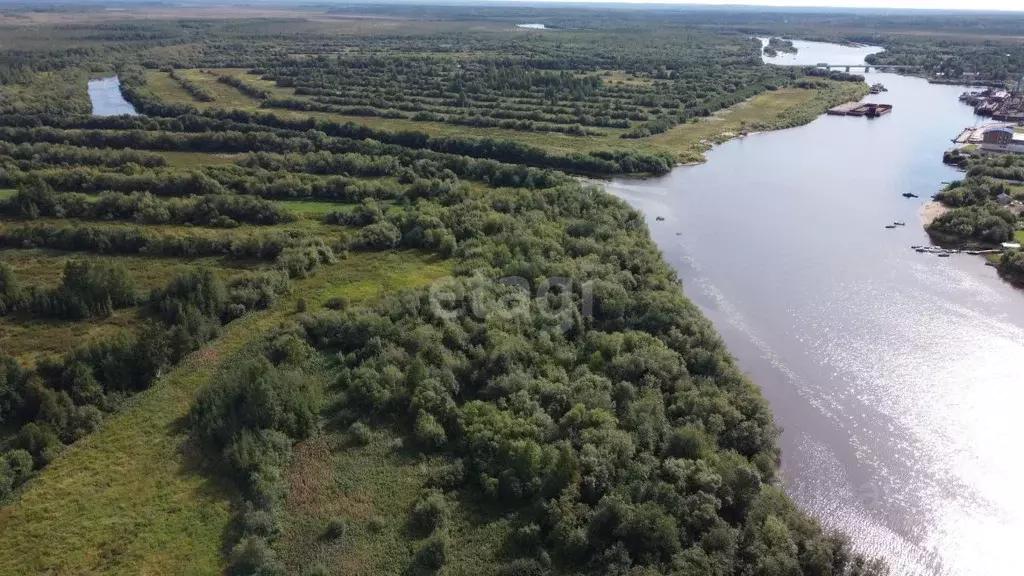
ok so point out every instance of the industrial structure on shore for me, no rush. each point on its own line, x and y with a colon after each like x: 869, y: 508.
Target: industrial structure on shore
x: 1001, y: 105
x: 996, y: 138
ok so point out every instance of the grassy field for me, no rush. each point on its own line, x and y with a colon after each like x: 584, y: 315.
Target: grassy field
x: 373, y: 488
x: 127, y: 499
x: 781, y: 108
x: 44, y: 268
x: 169, y: 90
x: 1020, y: 236
x: 193, y: 159
x: 28, y: 339
x: 311, y: 208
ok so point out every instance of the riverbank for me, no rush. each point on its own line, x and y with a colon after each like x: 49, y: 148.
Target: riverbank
x: 929, y: 211
x: 777, y: 110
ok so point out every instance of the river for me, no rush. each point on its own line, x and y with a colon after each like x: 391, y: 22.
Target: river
x: 106, y: 97
x: 896, y: 376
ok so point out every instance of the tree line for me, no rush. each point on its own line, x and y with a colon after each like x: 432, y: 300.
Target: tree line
x: 87, y: 289
x: 38, y: 199
x: 300, y: 253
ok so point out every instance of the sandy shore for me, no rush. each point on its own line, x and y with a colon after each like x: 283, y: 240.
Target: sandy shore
x: 930, y: 211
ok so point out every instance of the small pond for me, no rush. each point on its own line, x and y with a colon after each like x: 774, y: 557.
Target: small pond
x: 106, y: 97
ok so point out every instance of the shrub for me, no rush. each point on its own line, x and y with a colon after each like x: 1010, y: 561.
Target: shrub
x: 260, y: 522
x: 375, y: 525
x: 289, y: 349
x: 301, y: 261
x: 429, y: 433
x: 449, y: 476
x: 19, y: 463
x: 360, y: 433
x: 428, y: 514
x: 336, y: 528
x: 301, y: 305
x: 40, y: 441
x: 432, y: 553
x: 378, y: 236
x: 336, y: 303
x: 254, y: 556
x: 252, y: 413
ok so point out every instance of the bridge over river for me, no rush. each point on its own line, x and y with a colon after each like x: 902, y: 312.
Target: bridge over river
x: 866, y: 67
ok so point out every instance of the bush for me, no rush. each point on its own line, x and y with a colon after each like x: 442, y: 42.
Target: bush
x: 251, y: 414
x: 432, y: 553
x: 428, y: 514
x: 429, y: 433
x: 336, y: 303
x: 19, y: 463
x: 360, y: 433
x: 40, y: 441
x: 289, y: 349
x: 375, y: 525
x: 448, y: 477
x: 254, y: 556
x: 301, y: 305
x: 260, y: 522
x: 336, y: 528
x: 379, y: 236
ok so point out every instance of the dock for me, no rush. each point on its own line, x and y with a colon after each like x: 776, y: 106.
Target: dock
x: 870, y: 109
x: 965, y: 136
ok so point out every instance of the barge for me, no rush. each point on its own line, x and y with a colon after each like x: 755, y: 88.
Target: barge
x: 869, y: 110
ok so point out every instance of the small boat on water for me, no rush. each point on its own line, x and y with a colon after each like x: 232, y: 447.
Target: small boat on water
x: 660, y: 218
x: 891, y: 226
x: 899, y: 223
x: 909, y: 195
x: 944, y: 255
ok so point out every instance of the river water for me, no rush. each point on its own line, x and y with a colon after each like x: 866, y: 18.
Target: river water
x: 107, y: 99
x: 896, y: 376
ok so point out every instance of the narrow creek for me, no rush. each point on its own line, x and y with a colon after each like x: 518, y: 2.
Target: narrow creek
x: 896, y: 376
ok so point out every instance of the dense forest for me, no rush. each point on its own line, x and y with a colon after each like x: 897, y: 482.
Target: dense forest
x: 334, y: 301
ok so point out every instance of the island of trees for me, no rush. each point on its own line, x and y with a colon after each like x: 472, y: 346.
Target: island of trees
x: 776, y: 45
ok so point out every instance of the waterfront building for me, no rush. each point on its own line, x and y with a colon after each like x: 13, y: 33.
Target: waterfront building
x: 1000, y: 138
